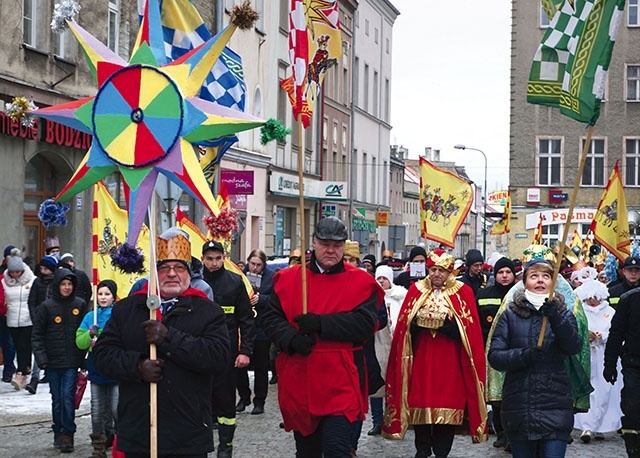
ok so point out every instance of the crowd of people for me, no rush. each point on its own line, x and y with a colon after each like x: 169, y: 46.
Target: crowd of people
x: 438, y: 346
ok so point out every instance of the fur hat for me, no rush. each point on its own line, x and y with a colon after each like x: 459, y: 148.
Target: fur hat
x: 473, y: 256
x: 352, y: 248
x: 113, y: 287
x: 386, y: 272
x: 50, y: 262
x: 14, y: 263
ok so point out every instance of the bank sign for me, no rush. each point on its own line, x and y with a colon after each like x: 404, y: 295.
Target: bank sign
x: 285, y: 184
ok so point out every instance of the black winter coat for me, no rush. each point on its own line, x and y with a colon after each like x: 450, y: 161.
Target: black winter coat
x: 229, y: 291
x: 38, y: 294
x: 265, y: 290
x: 54, y: 331
x: 195, y: 349
x: 536, y: 397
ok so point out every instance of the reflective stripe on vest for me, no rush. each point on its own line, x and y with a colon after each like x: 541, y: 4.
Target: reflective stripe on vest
x: 228, y: 309
x: 489, y: 301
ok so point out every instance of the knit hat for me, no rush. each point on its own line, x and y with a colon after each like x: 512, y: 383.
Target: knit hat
x: 50, y: 262
x: 371, y: 259
x: 14, y: 263
x: 502, y: 263
x: 473, y: 256
x: 7, y: 250
x: 417, y: 251
x: 109, y: 284
x: 386, y: 272
x: 352, y: 248
x: 67, y: 257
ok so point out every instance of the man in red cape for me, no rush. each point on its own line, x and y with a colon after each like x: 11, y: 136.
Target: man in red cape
x: 437, y: 369
x: 322, y: 386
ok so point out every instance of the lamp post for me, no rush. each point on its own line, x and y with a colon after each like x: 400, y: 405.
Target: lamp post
x: 484, y: 216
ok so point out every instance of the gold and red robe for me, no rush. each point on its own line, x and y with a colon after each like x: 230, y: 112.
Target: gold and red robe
x: 432, y: 378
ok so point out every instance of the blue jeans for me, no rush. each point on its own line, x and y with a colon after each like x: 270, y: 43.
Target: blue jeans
x: 331, y: 439
x: 547, y: 448
x: 8, y: 350
x: 62, y: 386
x: 104, y: 408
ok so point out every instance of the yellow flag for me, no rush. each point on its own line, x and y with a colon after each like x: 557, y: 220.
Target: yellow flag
x: 610, y: 225
x: 504, y: 225
x: 197, y: 239
x: 109, y: 231
x: 445, y: 201
x: 576, y: 240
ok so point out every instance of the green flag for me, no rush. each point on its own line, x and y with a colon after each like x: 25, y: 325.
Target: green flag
x: 569, y: 68
x: 550, y: 7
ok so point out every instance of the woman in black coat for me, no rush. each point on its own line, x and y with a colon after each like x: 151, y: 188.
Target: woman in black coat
x: 537, y: 406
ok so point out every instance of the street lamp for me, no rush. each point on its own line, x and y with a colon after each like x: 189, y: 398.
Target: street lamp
x: 484, y: 219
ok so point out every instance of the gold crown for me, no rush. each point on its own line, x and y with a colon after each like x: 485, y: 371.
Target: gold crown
x: 176, y: 248
x: 352, y: 248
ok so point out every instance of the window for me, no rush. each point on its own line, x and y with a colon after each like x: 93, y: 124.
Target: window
x: 593, y: 173
x: 334, y: 133
x: 366, y: 27
x: 113, y: 29
x: 365, y: 85
x: 345, y: 86
x: 284, y: 15
x: 633, y: 83
x: 544, y: 19
x: 550, y: 235
x: 65, y: 45
x: 324, y: 129
x: 632, y: 13
x: 375, y: 35
x: 387, y: 96
x: 375, y: 98
x: 632, y: 162
x: 282, y: 95
x: 549, y: 161
x: 386, y: 45
x: 260, y: 11
x: 344, y: 137
x: 34, y: 26
x: 356, y: 76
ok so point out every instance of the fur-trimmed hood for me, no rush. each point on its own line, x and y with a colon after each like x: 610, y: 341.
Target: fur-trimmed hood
x: 521, y: 306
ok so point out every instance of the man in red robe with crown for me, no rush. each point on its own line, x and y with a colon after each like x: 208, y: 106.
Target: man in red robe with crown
x: 436, y: 372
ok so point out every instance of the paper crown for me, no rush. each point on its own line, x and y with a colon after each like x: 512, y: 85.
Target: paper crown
x: 539, y: 252
x: 352, y: 248
x: 176, y: 248
x: 51, y: 242
x: 441, y: 258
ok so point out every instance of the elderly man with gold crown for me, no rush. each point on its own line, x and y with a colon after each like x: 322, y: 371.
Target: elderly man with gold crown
x: 192, y: 347
x: 436, y: 371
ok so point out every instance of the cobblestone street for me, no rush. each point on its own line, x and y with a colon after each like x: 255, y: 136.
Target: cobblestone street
x: 25, y: 432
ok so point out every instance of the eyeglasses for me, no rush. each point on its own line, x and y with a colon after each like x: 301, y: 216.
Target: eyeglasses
x: 177, y: 268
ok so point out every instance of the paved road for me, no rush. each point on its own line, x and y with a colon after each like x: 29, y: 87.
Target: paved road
x: 25, y: 432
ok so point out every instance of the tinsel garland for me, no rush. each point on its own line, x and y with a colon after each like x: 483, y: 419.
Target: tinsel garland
x: 17, y: 110
x: 53, y: 213
x: 273, y: 129
x: 63, y: 11
x: 128, y: 259
x: 223, y: 226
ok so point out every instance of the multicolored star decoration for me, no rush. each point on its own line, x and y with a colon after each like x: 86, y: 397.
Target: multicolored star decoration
x: 147, y: 117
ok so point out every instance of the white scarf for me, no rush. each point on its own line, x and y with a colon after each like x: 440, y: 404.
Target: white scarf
x: 535, y: 299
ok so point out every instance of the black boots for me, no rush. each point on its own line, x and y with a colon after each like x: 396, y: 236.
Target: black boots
x: 274, y: 374
x: 99, y: 444
x: 225, y: 435
x: 375, y: 431
x: 32, y: 386
x: 632, y: 442
x: 242, y: 405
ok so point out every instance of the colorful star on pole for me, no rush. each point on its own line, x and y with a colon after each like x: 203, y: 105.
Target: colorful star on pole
x: 146, y: 116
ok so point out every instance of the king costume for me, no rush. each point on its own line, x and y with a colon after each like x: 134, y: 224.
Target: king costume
x: 433, y: 376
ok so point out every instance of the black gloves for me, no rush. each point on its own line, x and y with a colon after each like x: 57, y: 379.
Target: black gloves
x: 302, y: 344
x: 414, y: 327
x: 450, y: 329
x: 610, y: 374
x: 550, y: 309
x: 150, y: 370
x: 533, y: 354
x: 308, y: 323
x: 93, y: 331
x: 154, y: 331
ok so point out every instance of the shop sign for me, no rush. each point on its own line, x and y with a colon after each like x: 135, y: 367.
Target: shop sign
x: 364, y: 225
x: 238, y: 181
x: 329, y: 210
x: 383, y: 218
x: 556, y: 196
x: 559, y: 216
x: 287, y: 185
x: 533, y: 195
x: 45, y: 131
x: 522, y: 235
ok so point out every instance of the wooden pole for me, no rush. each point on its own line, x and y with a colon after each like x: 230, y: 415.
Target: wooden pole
x: 152, y: 289
x: 303, y: 232
x: 565, y: 232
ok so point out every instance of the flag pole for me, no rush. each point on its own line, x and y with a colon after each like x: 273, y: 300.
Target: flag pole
x: 303, y: 231
x: 565, y: 231
x: 152, y: 290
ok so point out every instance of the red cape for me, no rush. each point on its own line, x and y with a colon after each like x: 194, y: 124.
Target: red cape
x: 441, y: 378
x: 327, y: 381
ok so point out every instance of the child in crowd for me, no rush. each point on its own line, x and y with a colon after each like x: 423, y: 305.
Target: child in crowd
x: 54, y: 346
x: 604, y: 414
x: 104, y: 391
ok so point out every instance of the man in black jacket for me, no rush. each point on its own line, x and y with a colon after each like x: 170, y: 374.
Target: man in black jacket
x: 230, y: 293
x: 630, y: 279
x: 474, y: 276
x: 624, y: 342
x: 192, y: 348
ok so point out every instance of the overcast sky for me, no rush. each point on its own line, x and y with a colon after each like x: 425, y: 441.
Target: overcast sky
x: 450, y: 83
